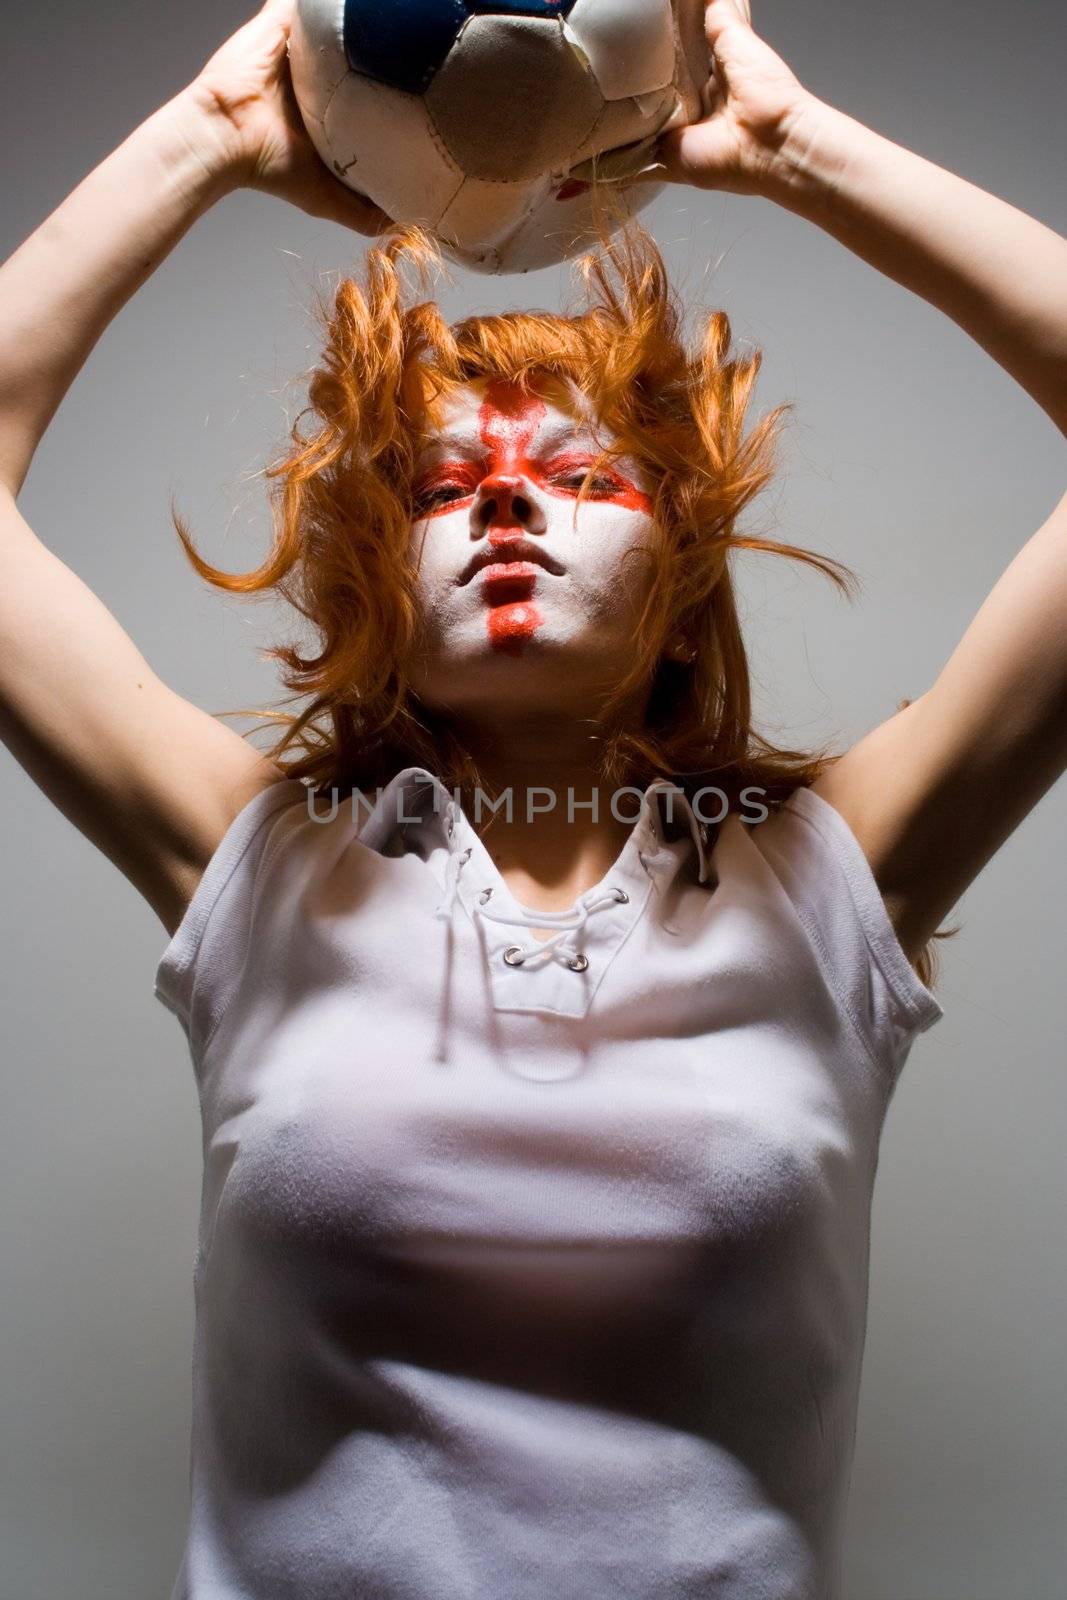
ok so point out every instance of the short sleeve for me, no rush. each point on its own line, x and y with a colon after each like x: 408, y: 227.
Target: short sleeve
x: 828, y: 878
x: 193, y: 974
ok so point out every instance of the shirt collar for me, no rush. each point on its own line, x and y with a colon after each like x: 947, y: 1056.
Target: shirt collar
x: 416, y: 799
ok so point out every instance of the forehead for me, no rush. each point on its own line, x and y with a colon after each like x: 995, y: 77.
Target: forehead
x: 491, y: 412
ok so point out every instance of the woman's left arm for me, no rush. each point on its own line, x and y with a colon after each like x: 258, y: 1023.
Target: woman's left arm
x: 997, y: 272
x: 933, y: 792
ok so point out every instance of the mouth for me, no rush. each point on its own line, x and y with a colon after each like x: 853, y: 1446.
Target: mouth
x: 502, y: 581
x: 512, y: 561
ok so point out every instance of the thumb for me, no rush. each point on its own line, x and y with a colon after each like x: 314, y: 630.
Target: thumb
x: 730, y: 36
x: 701, y: 153
x: 279, y: 11
x: 720, y: 14
x: 327, y: 197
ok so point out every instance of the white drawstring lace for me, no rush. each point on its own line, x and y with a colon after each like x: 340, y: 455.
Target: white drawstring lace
x: 554, y: 948
x: 539, y: 950
x: 565, y: 922
x: 700, y: 839
x: 456, y: 860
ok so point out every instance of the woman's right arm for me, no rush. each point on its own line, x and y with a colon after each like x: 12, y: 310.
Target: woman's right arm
x: 150, y: 778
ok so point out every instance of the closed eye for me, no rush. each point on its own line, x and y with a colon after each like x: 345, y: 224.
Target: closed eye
x: 443, y: 493
x: 437, y: 495
x: 600, y: 483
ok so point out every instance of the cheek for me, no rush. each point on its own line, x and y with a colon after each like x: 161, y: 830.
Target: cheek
x: 612, y: 547
x: 437, y: 550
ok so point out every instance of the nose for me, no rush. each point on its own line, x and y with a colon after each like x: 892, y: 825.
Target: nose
x: 503, y: 507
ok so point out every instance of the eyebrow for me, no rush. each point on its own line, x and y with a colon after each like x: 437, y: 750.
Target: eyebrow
x: 459, y: 444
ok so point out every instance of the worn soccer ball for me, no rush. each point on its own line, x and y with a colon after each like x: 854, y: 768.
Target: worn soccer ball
x: 494, y: 123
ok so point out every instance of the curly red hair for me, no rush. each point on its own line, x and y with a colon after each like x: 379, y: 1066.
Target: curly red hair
x: 342, y: 502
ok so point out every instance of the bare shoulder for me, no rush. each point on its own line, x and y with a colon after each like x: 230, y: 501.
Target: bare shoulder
x: 203, y: 814
x: 151, y: 779
x: 874, y: 788
x: 934, y: 792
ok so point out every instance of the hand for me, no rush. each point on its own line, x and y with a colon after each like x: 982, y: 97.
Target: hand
x: 246, y: 95
x: 757, y: 109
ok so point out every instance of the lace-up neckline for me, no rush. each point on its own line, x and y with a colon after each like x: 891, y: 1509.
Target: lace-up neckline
x: 555, y: 946
x: 562, y: 972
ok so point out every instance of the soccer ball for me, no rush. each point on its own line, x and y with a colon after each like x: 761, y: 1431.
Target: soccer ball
x: 489, y: 121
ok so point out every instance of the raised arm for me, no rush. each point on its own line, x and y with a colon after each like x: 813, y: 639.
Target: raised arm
x: 933, y: 792
x: 998, y: 273
x: 152, y: 780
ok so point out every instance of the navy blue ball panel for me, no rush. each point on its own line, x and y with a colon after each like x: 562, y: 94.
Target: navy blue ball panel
x: 521, y: 8
x: 403, y: 42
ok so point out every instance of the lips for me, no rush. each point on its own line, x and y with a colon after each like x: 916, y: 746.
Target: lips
x: 516, y: 561
x: 509, y: 580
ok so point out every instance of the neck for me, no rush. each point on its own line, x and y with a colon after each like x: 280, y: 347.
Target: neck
x: 551, y: 844
x: 533, y: 756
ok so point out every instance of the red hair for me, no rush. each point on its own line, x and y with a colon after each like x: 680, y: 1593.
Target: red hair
x: 341, y: 497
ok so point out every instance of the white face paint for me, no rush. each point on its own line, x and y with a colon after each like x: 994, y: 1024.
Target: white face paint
x: 518, y: 597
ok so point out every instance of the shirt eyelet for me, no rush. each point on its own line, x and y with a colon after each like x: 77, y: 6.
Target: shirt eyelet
x: 578, y: 963
x: 513, y: 955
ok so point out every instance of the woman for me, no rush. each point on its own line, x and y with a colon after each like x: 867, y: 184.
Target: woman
x: 539, y: 1142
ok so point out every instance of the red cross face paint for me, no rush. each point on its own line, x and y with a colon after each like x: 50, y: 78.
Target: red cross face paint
x: 510, y: 566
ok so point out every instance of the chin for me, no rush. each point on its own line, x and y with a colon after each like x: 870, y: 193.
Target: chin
x: 535, y: 673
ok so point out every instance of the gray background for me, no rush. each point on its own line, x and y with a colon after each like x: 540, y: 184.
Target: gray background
x: 912, y: 457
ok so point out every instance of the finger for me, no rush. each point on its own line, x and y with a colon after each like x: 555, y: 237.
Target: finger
x: 717, y: 12
x: 725, y: 21
x: 351, y: 209
x: 700, y: 148
x: 731, y: 39
x: 280, y: 14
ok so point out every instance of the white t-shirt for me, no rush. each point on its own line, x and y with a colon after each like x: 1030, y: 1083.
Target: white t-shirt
x: 530, y: 1278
